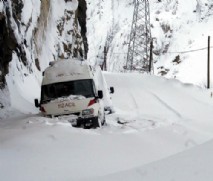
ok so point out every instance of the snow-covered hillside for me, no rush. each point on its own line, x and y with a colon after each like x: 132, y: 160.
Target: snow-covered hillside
x: 181, y: 30
x: 155, y: 121
x: 177, y: 26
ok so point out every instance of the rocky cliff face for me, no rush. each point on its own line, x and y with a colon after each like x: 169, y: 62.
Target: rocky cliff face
x: 8, y: 42
x: 33, y: 33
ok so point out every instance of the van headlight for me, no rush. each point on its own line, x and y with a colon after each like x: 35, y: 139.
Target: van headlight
x: 87, y: 112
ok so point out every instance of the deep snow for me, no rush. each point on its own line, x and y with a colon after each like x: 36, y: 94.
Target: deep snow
x: 166, y: 125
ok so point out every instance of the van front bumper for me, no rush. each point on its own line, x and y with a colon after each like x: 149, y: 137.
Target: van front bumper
x: 91, y: 122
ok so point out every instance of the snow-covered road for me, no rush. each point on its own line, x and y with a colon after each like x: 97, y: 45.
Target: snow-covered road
x: 165, y: 126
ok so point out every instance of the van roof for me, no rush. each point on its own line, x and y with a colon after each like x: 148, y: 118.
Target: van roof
x: 67, y: 70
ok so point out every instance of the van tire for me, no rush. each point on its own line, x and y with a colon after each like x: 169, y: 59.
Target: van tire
x: 96, y: 123
x: 99, y: 122
x: 103, y: 122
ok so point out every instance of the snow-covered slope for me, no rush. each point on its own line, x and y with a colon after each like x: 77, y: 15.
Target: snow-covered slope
x: 181, y: 30
x: 177, y: 26
x: 158, y: 118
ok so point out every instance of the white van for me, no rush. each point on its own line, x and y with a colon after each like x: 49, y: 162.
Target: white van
x: 68, y: 88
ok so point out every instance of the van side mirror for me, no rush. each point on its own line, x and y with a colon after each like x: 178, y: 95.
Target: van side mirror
x: 36, y: 103
x: 100, y: 94
x: 112, y: 90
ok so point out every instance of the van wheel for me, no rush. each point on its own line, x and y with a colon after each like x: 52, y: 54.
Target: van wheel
x: 78, y: 124
x: 96, y: 123
x: 99, y: 121
x: 103, y: 121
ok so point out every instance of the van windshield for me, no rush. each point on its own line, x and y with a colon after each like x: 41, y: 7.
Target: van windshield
x: 64, y: 89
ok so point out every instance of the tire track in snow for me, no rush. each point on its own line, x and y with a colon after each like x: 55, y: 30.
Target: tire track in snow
x: 166, y: 105
x: 134, y: 100
x: 159, y: 100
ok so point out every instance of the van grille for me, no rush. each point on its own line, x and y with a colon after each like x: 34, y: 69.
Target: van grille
x: 75, y: 113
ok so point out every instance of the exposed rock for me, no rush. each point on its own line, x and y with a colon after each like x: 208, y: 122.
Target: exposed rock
x: 16, y: 10
x: 177, y: 60
x: 166, y: 28
x: 81, y: 14
x: 162, y: 71
x: 8, y: 41
x: 8, y: 44
x: 76, y: 45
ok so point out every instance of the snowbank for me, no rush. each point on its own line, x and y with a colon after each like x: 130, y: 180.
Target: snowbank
x: 156, y: 133
x: 194, y: 164
x: 23, y: 87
